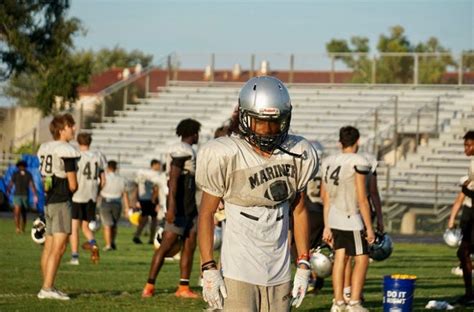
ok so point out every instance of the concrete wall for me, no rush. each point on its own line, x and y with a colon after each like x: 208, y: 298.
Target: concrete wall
x: 18, y: 127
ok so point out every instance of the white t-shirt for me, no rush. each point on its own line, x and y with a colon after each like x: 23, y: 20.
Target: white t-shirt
x: 114, y: 186
x: 339, y: 178
x: 88, y: 169
x: 257, y: 193
x: 146, y: 180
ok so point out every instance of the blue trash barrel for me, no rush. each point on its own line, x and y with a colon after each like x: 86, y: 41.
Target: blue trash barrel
x: 398, y: 292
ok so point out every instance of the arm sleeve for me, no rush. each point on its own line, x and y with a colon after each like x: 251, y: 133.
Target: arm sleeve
x: 309, y: 166
x: 211, y: 171
x: 361, y: 165
x: 70, y: 164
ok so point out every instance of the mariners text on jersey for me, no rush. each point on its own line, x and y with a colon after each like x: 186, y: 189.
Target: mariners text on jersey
x: 270, y: 173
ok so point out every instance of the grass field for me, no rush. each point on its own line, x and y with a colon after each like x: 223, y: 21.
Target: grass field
x: 116, y: 283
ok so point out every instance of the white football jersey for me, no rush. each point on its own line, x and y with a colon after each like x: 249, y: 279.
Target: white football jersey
x: 185, y: 151
x: 339, y: 179
x: 146, y: 179
x: 257, y: 193
x: 89, y: 167
x: 51, y: 155
x: 467, y: 200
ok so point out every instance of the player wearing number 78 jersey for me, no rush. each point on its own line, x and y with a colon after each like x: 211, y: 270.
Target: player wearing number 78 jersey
x: 58, y: 168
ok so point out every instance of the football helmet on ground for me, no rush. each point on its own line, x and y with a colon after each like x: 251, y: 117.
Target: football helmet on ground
x: 159, y: 237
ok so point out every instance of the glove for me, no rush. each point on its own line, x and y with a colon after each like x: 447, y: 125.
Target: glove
x: 213, y: 289
x: 300, y: 284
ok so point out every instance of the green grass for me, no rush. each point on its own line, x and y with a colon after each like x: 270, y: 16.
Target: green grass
x: 116, y: 283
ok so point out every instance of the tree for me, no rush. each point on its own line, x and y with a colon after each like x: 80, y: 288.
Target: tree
x: 36, y: 42
x: 116, y: 57
x: 391, y: 68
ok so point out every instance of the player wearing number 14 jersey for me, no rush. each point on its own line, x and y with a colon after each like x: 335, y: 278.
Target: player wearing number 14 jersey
x: 346, y: 212
x: 58, y: 168
x: 90, y: 168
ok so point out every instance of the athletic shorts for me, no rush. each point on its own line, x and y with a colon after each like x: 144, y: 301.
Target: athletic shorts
x: 58, y: 218
x: 182, y: 226
x: 316, y: 228
x: 110, y: 212
x: 84, y: 211
x: 21, y: 200
x: 148, y: 208
x: 243, y: 296
x: 466, y: 224
x: 353, y: 242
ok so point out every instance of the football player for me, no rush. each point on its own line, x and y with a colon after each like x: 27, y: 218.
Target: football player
x: 58, y: 166
x: 375, y: 205
x: 90, y: 171
x: 22, y: 180
x: 113, y: 193
x: 147, y: 199
x: 466, y: 224
x: 346, y: 212
x: 181, y: 214
x: 260, y: 174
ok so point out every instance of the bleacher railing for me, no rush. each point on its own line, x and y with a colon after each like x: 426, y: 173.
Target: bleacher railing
x: 458, y: 67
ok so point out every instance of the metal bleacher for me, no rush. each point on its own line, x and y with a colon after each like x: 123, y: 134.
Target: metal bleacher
x: 426, y: 177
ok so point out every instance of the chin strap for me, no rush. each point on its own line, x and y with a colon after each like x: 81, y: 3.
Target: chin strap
x: 288, y: 152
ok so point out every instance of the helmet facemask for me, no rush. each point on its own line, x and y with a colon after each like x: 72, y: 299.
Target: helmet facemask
x: 264, y: 142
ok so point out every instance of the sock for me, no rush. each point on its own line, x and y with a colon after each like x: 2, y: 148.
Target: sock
x: 75, y: 255
x: 347, y: 291
x: 93, y: 242
x: 183, y: 282
x: 151, y: 281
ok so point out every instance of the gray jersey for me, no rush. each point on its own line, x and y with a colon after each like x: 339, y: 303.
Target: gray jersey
x: 88, y: 169
x: 257, y: 192
x: 52, y: 154
x: 339, y: 178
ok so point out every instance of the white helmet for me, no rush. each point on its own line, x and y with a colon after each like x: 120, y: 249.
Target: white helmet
x: 268, y: 99
x: 382, y: 248
x: 321, y: 264
x: 452, y: 237
x: 157, y: 242
x: 94, y: 225
x: 38, y: 231
x: 217, y: 237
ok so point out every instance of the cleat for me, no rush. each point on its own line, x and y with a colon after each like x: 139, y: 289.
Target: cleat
x: 95, y: 254
x: 74, y: 261
x: 355, y: 307
x: 186, y: 293
x: 148, y: 291
x: 52, y: 294
x: 137, y: 240
x: 338, y: 306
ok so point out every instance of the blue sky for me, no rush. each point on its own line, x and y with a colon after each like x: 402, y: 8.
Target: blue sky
x: 160, y: 27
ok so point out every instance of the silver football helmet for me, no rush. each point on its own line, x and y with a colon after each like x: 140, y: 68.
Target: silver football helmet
x: 264, y: 98
x: 38, y: 231
x: 382, y: 248
x: 452, y: 237
x: 94, y: 225
x: 321, y: 264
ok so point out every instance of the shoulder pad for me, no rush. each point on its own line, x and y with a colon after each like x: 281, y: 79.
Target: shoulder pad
x: 66, y: 150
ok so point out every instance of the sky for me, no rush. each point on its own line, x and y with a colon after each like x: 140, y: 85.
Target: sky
x: 195, y: 28
x: 272, y: 29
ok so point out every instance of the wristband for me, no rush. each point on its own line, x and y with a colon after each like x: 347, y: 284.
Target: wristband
x: 208, y: 265
x: 305, y: 262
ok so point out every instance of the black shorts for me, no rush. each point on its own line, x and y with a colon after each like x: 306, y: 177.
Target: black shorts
x: 182, y: 226
x: 316, y: 228
x: 83, y: 211
x: 353, y: 242
x: 466, y: 224
x: 148, y: 208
